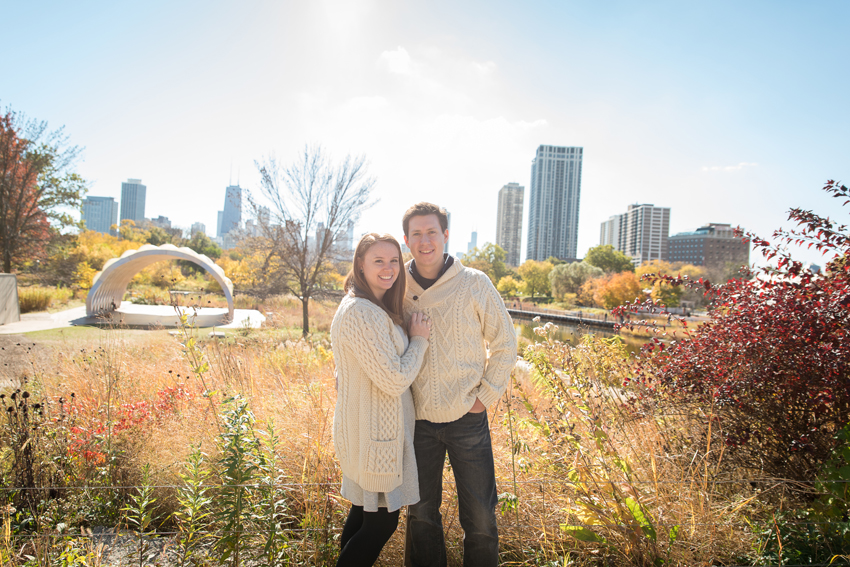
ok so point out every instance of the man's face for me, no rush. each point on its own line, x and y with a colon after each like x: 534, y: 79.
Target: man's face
x: 426, y: 240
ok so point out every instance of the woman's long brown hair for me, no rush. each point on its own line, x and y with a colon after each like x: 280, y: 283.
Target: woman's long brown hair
x: 356, y: 284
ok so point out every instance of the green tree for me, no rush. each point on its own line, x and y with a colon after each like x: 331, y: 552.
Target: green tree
x: 203, y: 244
x: 609, y: 260
x: 568, y: 278
x: 158, y: 236
x: 536, y: 277
x: 490, y: 259
x: 38, y: 189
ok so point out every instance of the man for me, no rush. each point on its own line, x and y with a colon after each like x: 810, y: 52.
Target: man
x: 454, y: 388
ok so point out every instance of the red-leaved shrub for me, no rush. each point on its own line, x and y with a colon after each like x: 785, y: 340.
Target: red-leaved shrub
x: 771, y: 369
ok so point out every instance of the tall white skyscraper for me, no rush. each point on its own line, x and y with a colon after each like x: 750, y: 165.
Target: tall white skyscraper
x: 133, y: 201
x: 641, y: 232
x: 554, y: 203
x: 100, y: 213
x: 509, y: 221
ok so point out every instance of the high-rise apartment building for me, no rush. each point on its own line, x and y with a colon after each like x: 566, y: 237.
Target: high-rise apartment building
x: 554, y: 204
x: 196, y: 228
x: 610, y: 232
x: 100, y: 213
x: 641, y: 232
x: 509, y: 221
x: 713, y: 246
x: 133, y: 201
x: 231, y: 216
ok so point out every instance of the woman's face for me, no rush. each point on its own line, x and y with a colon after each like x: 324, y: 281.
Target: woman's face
x: 380, y: 267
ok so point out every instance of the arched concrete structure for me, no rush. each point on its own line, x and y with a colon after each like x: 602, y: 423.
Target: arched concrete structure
x: 110, y: 284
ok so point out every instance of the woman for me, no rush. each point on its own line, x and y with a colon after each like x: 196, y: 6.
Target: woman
x: 374, y: 416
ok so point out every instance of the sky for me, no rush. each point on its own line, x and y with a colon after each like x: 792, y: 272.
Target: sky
x: 724, y: 111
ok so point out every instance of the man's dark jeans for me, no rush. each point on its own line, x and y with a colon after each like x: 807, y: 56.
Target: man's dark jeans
x: 467, y: 442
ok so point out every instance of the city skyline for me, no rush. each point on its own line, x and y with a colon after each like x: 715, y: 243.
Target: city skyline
x: 717, y: 111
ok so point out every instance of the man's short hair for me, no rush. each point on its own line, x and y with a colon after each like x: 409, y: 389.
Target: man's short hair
x: 424, y: 209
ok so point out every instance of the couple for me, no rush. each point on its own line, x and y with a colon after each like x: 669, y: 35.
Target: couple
x: 405, y: 399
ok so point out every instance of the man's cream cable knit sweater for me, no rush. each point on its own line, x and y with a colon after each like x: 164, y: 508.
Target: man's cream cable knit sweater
x: 373, y: 370
x: 466, y: 311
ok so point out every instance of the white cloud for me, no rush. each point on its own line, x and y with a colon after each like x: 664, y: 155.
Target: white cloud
x: 397, y: 61
x: 484, y: 68
x: 364, y: 104
x: 738, y: 167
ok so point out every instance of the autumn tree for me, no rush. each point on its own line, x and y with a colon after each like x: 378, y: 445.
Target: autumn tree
x: 617, y: 289
x: 312, y: 200
x: 536, y: 277
x: 37, y: 187
x: 609, y: 260
x: 568, y: 278
x: 508, y: 286
x: 490, y: 259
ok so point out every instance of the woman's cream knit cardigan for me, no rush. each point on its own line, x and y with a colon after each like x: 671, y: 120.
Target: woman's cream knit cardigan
x: 373, y: 371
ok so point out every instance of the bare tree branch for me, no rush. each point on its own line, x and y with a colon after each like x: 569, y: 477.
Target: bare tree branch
x: 312, y: 203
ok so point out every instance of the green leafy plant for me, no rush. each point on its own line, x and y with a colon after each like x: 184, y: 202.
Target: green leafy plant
x: 238, y: 470
x: 271, y: 508
x: 194, y: 516
x: 140, y: 513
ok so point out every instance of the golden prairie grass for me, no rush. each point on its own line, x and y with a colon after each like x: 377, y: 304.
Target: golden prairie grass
x: 41, y: 298
x: 567, y: 453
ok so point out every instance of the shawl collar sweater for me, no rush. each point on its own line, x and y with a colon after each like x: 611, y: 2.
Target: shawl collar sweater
x: 373, y: 370
x: 468, y: 316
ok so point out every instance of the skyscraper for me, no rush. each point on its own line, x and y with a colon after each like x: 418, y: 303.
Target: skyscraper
x: 554, y: 203
x: 100, y: 213
x: 231, y: 216
x: 509, y: 221
x: 641, y: 232
x: 473, y: 242
x: 197, y: 227
x: 133, y: 201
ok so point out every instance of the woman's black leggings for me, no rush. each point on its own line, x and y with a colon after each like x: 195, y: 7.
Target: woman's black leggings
x: 364, y: 536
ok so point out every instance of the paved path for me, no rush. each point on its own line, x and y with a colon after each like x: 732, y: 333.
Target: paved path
x: 43, y: 321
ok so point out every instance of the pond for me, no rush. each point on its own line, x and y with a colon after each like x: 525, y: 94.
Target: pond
x: 571, y: 334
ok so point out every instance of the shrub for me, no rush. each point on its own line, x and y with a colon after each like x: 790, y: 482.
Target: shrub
x: 771, y: 370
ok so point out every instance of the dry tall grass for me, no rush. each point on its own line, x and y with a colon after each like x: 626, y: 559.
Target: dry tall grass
x: 40, y: 298
x: 567, y: 452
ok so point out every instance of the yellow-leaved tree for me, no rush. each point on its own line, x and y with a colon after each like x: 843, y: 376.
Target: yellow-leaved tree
x: 663, y: 292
